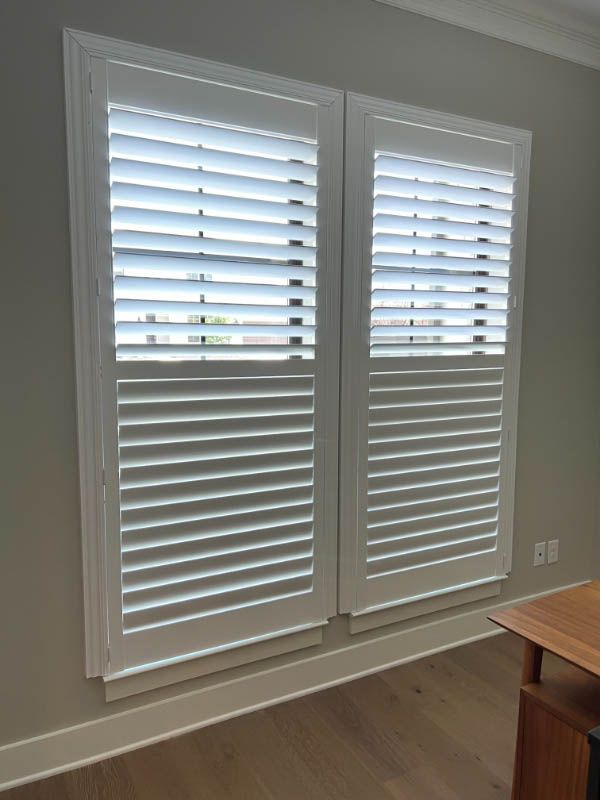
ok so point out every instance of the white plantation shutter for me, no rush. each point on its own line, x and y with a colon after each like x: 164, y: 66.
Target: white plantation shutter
x: 430, y: 377
x: 219, y: 361
x: 206, y: 228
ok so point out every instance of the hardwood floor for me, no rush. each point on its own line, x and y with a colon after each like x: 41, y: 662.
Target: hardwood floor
x: 442, y: 728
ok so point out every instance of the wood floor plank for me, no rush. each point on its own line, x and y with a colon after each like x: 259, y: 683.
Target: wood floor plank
x: 466, y: 708
x: 369, y: 742
x: 425, y: 744
x: 48, y: 789
x: 102, y: 781
x: 204, y: 765
x: 339, y: 774
x: 421, y: 783
x: 483, y: 659
x: 152, y: 773
x: 441, y: 728
x: 274, y: 759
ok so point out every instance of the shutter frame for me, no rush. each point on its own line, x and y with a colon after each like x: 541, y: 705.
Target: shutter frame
x: 362, y: 114
x: 86, y: 59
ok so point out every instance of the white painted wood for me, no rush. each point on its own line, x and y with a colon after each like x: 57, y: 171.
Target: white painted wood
x: 87, y: 61
x: 167, y: 93
x: 104, y: 47
x: 144, y: 679
x: 513, y: 24
x: 42, y: 756
x: 400, y: 612
x: 373, y: 575
x: 87, y: 351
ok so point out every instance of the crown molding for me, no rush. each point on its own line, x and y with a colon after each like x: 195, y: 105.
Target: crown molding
x: 492, y: 18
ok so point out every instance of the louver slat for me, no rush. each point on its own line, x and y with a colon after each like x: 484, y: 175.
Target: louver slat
x: 147, y: 174
x: 436, y: 172
x: 471, y: 248
x: 434, y: 190
x: 128, y: 218
x: 210, y: 597
x: 152, y: 197
x: 175, y: 243
x: 166, y: 265
x: 214, y: 232
x: 137, y: 559
x: 396, y: 223
x: 171, y: 287
x: 175, y: 573
x: 181, y: 307
x: 153, y: 126
x: 215, y: 160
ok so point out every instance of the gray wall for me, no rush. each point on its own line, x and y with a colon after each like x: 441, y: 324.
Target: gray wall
x: 350, y: 44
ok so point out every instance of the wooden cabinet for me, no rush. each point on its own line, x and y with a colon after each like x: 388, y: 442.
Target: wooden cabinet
x: 555, y: 717
x: 556, y: 714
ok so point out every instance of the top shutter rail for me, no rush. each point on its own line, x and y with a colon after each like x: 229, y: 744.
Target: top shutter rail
x: 214, y: 237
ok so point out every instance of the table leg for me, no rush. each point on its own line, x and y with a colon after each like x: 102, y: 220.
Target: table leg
x: 532, y: 668
x: 532, y: 663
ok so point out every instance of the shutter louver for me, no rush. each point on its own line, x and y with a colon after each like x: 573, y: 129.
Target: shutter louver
x: 433, y: 476
x: 206, y: 527
x: 215, y: 224
x: 426, y: 469
x: 440, y: 268
x: 222, y: 364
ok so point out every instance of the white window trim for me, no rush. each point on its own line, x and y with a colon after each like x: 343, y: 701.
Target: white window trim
x: 355, y: 307
x: 83, y: 54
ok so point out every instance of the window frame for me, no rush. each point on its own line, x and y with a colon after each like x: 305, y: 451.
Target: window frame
x: 85, y: 58
x: 356, y: 310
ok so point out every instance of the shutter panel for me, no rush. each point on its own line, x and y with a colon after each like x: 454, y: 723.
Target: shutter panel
x: 223, y: 368
x: 432, y: 372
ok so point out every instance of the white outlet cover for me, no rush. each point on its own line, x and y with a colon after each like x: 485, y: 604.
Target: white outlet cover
x: 553, y: 551
x: 539, y: 554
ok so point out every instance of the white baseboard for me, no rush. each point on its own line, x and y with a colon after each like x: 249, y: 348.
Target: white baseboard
x: 68, y: 748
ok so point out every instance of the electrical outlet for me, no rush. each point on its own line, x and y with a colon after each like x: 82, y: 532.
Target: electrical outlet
x: 539, y: 554
x: 553, y: 551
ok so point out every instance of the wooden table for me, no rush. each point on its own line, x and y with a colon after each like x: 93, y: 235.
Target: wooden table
x: 554, y: 716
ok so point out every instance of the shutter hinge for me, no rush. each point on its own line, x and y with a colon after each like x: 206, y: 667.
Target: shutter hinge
x: 97, y: 287
x: 514, y: 301
x: 91, y: 87
x: 108, y: 655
